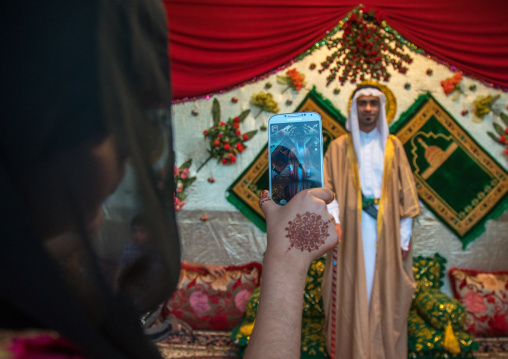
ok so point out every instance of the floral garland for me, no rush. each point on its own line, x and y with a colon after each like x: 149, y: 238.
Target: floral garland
x: 365, y: 50
x: 226, y: 140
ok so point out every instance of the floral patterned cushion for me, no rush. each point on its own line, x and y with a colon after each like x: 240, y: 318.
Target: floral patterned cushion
x: 206, y: 303
x: 485, y: 297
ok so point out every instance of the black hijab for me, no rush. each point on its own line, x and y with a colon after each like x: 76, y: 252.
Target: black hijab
x: 77, y: 72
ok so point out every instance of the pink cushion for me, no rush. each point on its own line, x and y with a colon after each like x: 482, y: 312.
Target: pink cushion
x: 485, y: 297
x: 206, y: 303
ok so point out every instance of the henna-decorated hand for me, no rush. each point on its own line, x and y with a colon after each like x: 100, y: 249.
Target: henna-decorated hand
x: 300, y: 231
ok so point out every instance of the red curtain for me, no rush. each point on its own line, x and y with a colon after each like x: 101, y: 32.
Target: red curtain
x: 215, y: 44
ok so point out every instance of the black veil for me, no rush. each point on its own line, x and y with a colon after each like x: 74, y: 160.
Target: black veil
x: 85, y: 83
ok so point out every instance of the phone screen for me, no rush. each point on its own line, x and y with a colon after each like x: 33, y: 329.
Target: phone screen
x: 296, y: 154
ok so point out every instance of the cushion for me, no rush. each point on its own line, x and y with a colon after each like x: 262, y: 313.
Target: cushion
x: 422, y: 337
x: 206, y: 303
x: 312, y: 297
x: 485, y: 297
x: 428, y: 272
x: 437, y: 309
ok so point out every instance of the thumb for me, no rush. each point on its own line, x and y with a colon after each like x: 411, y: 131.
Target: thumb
x: 266, y: 203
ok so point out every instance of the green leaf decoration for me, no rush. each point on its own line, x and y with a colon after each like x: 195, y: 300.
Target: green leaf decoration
x: 191, y: 180
x: 216, y: 111
x: 186, y: 164
x: 251, y: 134
x: 498, y: 129
x: 244, y: 115
x: 493, y: 136
x: 504, y: 118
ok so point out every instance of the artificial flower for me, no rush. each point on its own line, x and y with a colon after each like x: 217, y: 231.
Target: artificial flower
x: 225, y: 138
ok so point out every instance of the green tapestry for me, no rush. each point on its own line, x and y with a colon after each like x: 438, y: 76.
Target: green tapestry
x: 455, y: 177
x: 245, y: 192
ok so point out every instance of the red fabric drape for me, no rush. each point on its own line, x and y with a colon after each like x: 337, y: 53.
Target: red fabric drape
x: 215, y: 44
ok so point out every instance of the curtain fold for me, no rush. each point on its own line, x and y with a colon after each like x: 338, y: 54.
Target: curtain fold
x: 215, y: 44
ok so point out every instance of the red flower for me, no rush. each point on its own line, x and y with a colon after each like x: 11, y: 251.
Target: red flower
x: 236, y: 119
x: 205, y: 132
x: 227, y: 146
x: 506, y: 130
x: 245, y: 136
x: 238, y: 133
x: 236, y: 125
x: 216, y: 143
x: 502, y: 139
x: 220, y: 135
x: 232, y: 158
x: 224, y: 160
x: 222, y: 124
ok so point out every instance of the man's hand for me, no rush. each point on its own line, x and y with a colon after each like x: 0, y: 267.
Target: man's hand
x: 405, y: 253
x: 338, y: 228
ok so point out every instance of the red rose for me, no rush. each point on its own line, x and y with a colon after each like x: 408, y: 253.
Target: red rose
x: 506, y: 130
x: 224, y: 160
x: 222, y: 124
x: 232, y: 159
x: 245, y: 136
x: 238, y: 133
x: 506, y: 151
x: 502, y: 139
x: 216, y: 143
x: 205, y: 132
x: 236, y: 119
x: 220, y: 135
x: 236, y: 125
x: 227, y: 146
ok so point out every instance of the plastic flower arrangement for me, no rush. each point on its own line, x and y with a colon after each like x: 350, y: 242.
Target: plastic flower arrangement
x: 293, y: 79
x: 501, y: 135
x: 182, y: 180
x: 483, y: 105
x: 452, y: 84
x: 365, y: 50
x: 265, y: 101
x: 226, y: 140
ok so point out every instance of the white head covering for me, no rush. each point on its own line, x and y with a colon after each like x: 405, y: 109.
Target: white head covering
x: 352, y: 121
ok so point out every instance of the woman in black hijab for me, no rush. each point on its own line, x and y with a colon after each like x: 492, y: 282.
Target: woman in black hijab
x: 84, y: 83
x: 85, y: 95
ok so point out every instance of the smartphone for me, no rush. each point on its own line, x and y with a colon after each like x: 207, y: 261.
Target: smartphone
x: 295, y: 143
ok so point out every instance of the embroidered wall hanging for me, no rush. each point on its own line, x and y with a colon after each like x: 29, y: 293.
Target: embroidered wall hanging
x: 455, y: 177
x: 245, y: 192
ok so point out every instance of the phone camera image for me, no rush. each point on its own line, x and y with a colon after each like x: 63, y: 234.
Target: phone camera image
x: 296, y: 157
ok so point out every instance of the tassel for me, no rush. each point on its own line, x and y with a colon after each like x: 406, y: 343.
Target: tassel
x: 450, y: 340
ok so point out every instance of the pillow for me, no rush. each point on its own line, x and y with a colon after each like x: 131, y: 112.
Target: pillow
x: 485, y: 297
x: 206, y: 303
x: 428, y: 272
x: 438, y: 309
x: 424, y: 338
x: 312, y: 297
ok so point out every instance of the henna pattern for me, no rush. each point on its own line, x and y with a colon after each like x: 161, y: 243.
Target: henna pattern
x: 307, y: 232
x: 264, y: 197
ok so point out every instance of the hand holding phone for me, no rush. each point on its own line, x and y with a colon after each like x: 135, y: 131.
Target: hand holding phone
x: 295, y: 143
